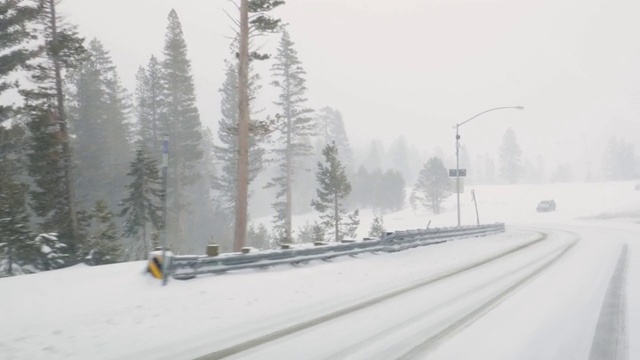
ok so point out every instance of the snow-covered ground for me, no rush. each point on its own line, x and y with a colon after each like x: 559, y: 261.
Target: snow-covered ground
x: 116, y: 312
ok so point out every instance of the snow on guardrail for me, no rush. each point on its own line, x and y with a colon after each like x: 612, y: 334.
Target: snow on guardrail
x: 189, y: 266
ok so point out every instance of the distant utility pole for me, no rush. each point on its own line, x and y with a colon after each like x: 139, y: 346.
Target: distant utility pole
x: 242, y: 179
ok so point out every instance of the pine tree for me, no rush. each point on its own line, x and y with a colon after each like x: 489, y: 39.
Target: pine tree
x: 318, y: 232
x: 227, y: 152
x: 433, y: 185
x: 490, y: 170
x: 562, y: 174
x: 103, y: 244
x: 377, y: 228
x: 363, y: 187
x: 15, y: 232
x: 98, y: 116
x: 334, y: 187
x: 399, y: 158
x: 389, y: 191
x: 297, y: 126
x: 510, y: 157
x: 149, y: 105
x: 51, y: 253
x: 141, y: 208
x: 50, y: 158
x: 373, y: 161
x: 182, y: 124
x: 258, y: 237
x: 258, y: 23
x: 305, y: 234
x: 331, y: 129
x: 15, y: 15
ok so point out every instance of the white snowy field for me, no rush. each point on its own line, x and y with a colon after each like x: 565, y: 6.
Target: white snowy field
x: 117, y: 312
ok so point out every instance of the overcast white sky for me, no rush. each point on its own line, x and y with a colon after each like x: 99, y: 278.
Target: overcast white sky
x: 416, y: 67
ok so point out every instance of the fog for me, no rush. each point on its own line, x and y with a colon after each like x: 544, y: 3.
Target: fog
x: 416, y: 68
x: 401, y: 73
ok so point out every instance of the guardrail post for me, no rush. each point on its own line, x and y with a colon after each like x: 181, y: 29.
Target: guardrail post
x: 213, y: 250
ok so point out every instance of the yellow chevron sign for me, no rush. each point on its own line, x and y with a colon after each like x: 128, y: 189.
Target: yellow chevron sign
x: 155, y: 266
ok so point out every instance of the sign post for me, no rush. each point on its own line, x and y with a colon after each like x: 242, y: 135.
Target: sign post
x: 165, y: 164
x: 473, y: 195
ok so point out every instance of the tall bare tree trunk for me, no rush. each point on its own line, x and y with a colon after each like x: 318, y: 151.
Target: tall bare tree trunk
x: 62, y: 123
x: 176, y: 229
x: 242, y: 185
x: 335, y: 213
x: 289, y: 183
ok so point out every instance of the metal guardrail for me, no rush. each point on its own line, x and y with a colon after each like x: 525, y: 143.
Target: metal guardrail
x: 189, y: 266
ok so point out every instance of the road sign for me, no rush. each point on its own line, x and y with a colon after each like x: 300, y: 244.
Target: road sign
x: 462, y: 172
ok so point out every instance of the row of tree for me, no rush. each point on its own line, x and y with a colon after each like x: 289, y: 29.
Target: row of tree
x: 80, y: 156
x: 80, y: 148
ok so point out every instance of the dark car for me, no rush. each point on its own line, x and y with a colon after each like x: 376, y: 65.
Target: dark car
x: 546, y: 205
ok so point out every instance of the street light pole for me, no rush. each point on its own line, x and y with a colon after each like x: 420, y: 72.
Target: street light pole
x: 458, y: 149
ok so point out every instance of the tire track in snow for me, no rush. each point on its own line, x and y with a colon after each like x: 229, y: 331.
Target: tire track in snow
x: 460, y: 324
x: 246, y: 345
x: 466, y: 296
x: 610, y: 338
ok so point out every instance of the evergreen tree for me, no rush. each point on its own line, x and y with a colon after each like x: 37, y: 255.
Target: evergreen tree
x: 413, y: 200
x: 103, y: 244
x: 98, y: 116
x: 149, y: 105
x: 490, y: 170
x: 433, y: 185
x: 51, y: 253
x: 399, y: 158
x: 318, y: 232
x: 334, y: 188
x: 141, y: 208
x: 510, y: 157
x: 15, y: 233
x: 363, y: 188
x: 305, y: 234
x: 562, y: 174
x: 377, y: 228
x: 227, y: 152
x: 259, y: 237
x: 373, y: 161
x: 50, y: 158
x: 297, y: 126
x: 182, y: 124
x: 15, y: 15
x: 331, y: 129
x: 254, y: 17
x: 390, y: 191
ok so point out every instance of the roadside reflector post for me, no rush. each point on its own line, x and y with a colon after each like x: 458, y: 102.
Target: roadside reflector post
x: 158, y: 266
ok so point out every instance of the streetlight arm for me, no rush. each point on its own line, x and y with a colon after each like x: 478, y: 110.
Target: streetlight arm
x: 458, y: 150
x: 486, y: 111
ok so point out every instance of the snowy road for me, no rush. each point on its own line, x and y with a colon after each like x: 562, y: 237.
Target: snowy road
x: 573, y: 295
x: 413, y: 324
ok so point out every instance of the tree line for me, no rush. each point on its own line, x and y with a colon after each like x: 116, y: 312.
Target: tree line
x: 81, y: 156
